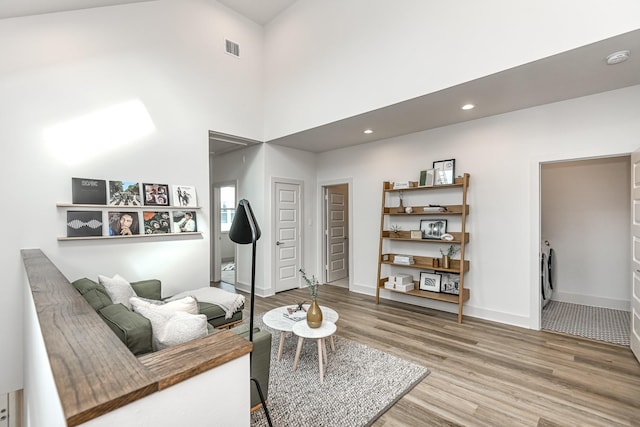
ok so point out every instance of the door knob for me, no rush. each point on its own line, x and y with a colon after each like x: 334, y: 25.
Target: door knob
x: 278, y: 243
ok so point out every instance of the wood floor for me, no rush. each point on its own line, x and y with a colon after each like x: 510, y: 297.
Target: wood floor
x: 485, y: 373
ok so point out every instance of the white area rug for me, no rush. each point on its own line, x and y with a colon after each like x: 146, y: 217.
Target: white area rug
x: 602, y: 324
x: 360, y: 384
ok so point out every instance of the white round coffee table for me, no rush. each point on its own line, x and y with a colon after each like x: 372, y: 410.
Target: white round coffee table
x: 275, y: 319
x: 302, y: 330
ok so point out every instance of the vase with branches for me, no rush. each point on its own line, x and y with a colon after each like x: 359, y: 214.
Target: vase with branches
x: 447, y: 254
x: 314, y: 314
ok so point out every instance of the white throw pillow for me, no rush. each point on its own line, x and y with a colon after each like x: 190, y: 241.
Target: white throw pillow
x: 118, y: 288
x: 187, y: 304
x: 172, y: 328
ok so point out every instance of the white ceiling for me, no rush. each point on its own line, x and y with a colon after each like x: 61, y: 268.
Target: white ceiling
x: 571, y: 74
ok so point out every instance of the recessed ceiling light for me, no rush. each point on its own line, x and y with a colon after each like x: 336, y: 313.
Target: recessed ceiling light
x: 368, y: 131
x: 468, y: 106
x: 618, y: 57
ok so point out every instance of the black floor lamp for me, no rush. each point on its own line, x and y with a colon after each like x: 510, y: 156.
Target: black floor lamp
x: 245, y: 230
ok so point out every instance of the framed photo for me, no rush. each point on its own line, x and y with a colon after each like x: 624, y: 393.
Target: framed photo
x: 433, y: 228
x: 444, y: 171
x: 184, y: 222
x: 156, y: 222
x: 430, y: 281
x: 124, y: 193
x: 427, y: 178
x: 87, y: 191
x: 156, y: 194
x: 123, y: 223
x: 184, y: 196
x: 416, y: 234
x: 84, y: 223
x: 450, y: 283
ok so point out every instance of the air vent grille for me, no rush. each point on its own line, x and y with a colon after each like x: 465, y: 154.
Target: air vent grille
x: 232, y: 48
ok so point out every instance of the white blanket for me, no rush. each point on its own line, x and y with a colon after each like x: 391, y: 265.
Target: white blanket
x: 228, y: 301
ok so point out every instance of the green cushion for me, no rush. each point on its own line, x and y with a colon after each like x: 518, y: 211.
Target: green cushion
x: 151, y: 289
x: 95, y: 294
x: 133, y: 329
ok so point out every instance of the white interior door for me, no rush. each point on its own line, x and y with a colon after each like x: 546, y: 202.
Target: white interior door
x: 287, y: 209
x: 337, y: 232
x: 635, y: 254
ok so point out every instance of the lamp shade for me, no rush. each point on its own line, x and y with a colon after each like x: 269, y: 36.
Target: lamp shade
x: 244, y: 228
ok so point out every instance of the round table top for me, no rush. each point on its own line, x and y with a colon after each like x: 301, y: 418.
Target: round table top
x: 303, y: 330
x: 275, y: 318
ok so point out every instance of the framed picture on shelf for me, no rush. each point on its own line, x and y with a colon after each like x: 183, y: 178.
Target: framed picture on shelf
x: 156, y: 222
x: 123, y: 223
x: 433, y: 228
x: 156, y: 194
x: 430, y: 281
x: 427, y: 178
x: 184, y: 196
x: 87, y: 191
x: 416, y: 234
x: 184, y: 222
x: 84, y: 223
x: 444, y: 171
x: 124, y: 193
x: 450, y: 283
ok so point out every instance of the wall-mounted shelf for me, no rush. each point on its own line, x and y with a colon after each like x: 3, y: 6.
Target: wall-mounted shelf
x: 149, y: 236
x: 154, y: 207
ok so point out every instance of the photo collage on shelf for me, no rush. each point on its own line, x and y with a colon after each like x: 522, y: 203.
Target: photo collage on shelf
x: 168, y: 211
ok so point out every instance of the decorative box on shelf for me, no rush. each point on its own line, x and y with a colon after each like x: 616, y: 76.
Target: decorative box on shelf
x: 399, y: 287
x: 399, y: 185
x: 401, y: 279
x: 403, y: 259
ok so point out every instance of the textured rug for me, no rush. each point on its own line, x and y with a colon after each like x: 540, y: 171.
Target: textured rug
x: 602, y: 324
x: 360, y: 384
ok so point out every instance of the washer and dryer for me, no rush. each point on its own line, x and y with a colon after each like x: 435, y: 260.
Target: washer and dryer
x: 547, y: 271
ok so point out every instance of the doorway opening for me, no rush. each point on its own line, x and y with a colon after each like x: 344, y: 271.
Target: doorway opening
x: 224, y: 250
x: 335, y: 232
x: 584, y: 261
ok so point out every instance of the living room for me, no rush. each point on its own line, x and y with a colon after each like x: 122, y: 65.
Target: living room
x: 295, y: 74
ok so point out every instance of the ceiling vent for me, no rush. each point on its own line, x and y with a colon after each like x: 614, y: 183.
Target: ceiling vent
x: 232, y: 48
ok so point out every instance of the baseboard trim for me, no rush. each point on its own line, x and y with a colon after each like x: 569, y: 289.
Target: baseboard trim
x: 590, y: 300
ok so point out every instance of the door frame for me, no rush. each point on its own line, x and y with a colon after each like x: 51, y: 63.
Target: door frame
x: 322, y: 214
x: 535, y: 320
x: 273, y: 235
x: 216, y: 230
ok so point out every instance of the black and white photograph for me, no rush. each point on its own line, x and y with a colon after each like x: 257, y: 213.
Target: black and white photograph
x: 156, y: 194
x: 430, y: 281
x: 450, y: 283
x: 184, y: 196
x: 84, y: 223
x: 156, y: 222
x: 123, y: 223
x: 433, y: 228
x: 87, y: 191
x: 444, y: 171
x: 184, y: 222
x: 124, y: 193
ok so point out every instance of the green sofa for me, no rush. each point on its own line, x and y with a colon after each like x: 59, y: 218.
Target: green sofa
x: 134, y: 330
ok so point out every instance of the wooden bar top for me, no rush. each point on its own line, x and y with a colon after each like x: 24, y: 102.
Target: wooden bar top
x: 94, y: 371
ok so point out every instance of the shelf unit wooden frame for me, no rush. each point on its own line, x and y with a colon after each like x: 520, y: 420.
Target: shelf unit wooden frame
x: 132, y: 207
x: 456, y: 266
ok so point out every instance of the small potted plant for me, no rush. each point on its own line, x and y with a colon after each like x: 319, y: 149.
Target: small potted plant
x: 395, y: 229
x: 446, y: 255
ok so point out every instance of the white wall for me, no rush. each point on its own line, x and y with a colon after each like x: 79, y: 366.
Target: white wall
x: 57, y: 67
x: 332, y: 59
x: 586, y: 212
x: 502, y: 154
